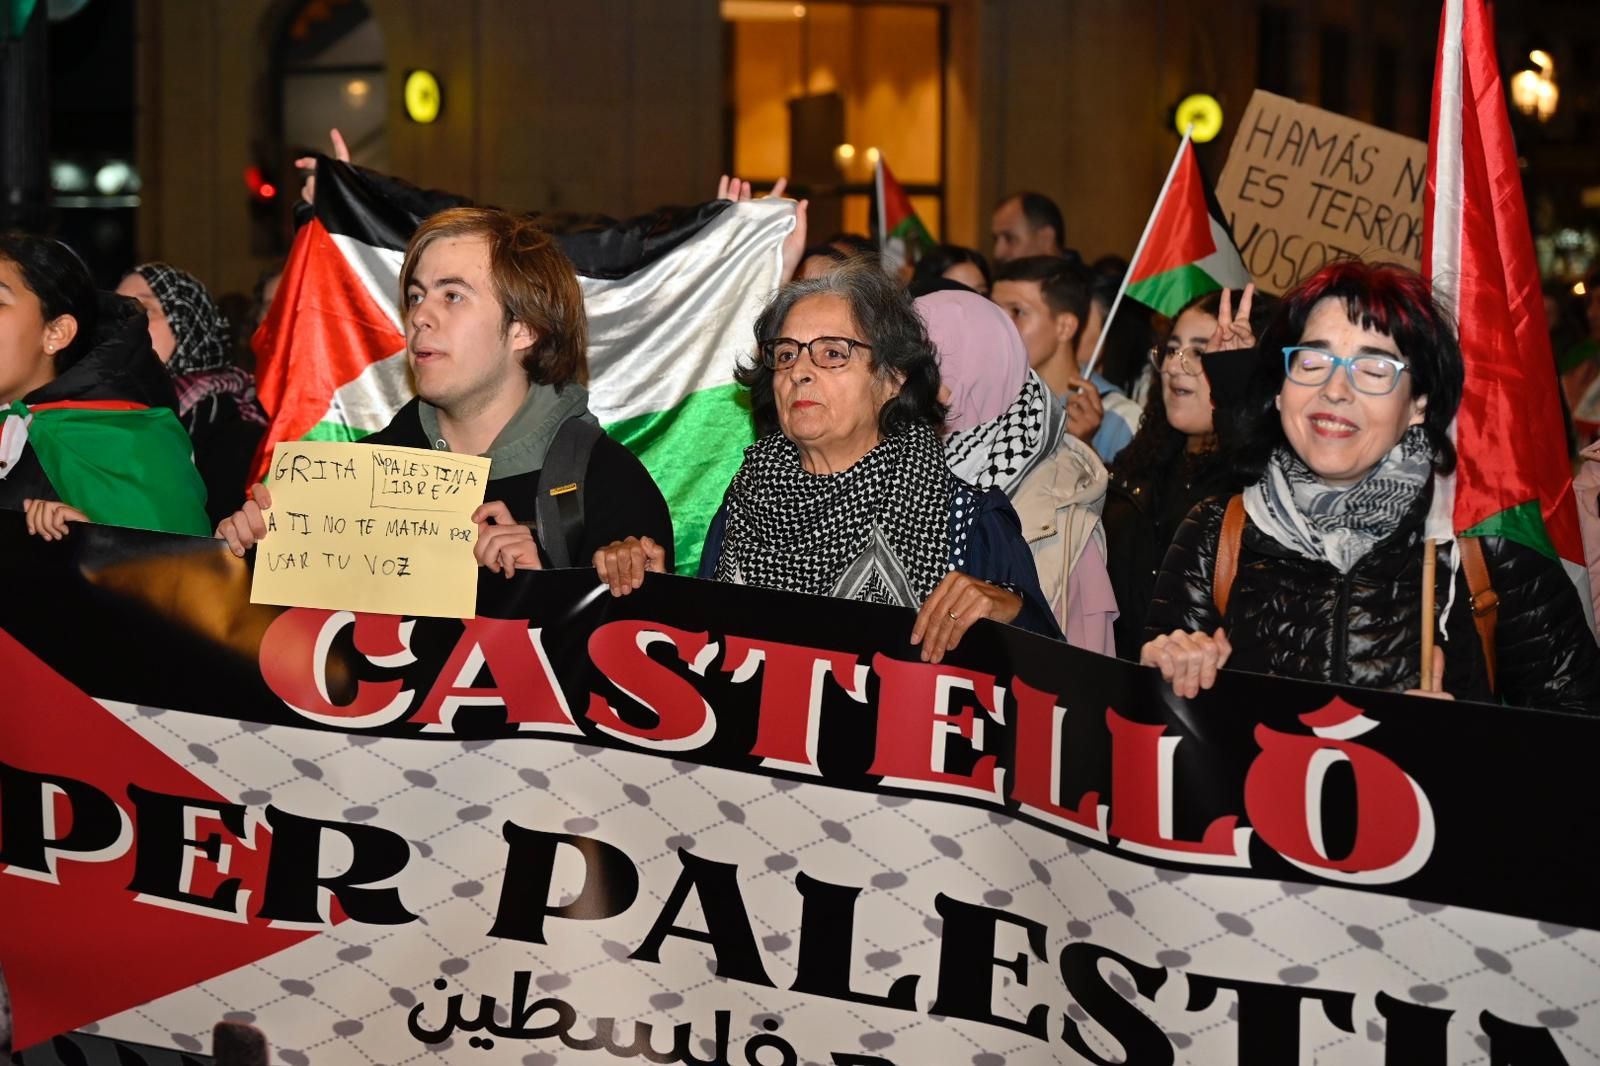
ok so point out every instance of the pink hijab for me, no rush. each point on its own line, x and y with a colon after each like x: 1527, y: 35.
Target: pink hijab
x: 981, y: 357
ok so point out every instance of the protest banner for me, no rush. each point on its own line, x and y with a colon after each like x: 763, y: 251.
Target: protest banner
x: 367, y: 528
x: 713, y: 824
x: 1303, y: 187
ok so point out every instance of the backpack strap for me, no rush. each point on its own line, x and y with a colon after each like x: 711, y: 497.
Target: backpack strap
x: 1485, y: 601
x: 560, y: 503
x: 1227, y: 567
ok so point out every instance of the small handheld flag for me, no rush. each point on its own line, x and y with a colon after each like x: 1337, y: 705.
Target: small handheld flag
x: 901, y: 234
x: 1186, y: 251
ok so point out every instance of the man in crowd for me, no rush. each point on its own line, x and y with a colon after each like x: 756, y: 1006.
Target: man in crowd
x: 1048, y: 298
x: 496, y: 338
x: 1027, y: 223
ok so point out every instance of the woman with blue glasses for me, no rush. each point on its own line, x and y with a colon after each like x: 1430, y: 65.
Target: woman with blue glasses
x: 1316, y: 570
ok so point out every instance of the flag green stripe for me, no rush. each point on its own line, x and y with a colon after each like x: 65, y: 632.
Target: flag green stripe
x: 1169, y: 290
x: 1523, y: 523
x: 911, y: 229
x: 123, y: 468
x: 692, y: 451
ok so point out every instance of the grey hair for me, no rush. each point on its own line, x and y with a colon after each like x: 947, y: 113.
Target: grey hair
x: 889, y: 323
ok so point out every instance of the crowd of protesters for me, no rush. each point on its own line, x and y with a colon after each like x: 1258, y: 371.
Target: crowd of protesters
x: 973, y: 437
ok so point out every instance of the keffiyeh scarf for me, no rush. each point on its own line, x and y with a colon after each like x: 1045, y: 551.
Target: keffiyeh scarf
x: 199, y: 366
x: 1000, y: 453
x: 880, y: 531
x: 1340, y: 525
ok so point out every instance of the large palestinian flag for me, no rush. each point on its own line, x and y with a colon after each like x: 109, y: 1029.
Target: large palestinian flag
x: 671, y: 298
x: 1186, y: 250
x: 1513, y: 479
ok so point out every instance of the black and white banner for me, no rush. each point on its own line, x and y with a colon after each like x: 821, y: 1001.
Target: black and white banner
x: 708, y: 824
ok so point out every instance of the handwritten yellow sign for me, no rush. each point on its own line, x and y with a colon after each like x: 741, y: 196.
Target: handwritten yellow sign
x: 360, y: 527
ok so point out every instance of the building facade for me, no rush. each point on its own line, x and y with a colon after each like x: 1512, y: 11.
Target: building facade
x: 618, y: 106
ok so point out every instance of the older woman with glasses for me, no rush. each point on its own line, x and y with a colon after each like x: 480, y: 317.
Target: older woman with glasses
x: 847, y: 492
x: 1316, y: 570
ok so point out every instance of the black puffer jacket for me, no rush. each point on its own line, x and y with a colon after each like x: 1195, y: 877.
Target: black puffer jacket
x: 1142, y: 513
x: 1296, y: 617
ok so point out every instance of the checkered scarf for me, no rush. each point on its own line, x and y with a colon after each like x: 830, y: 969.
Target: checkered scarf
x: 1340, y: 525
x: 881, y: 531
x: 1004, y: 450
x: 199, y: 328
x: 200, y: 368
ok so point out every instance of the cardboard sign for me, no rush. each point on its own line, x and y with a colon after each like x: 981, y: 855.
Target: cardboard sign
x: 357, y: 527
x: 1303, y: 187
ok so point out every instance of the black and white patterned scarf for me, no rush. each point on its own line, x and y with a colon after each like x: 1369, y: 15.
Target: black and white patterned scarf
x: 197, y: 325
x: 206, y: 380
x: 880, y: 531
x: 1340, y: 525
x: 1001, y: 452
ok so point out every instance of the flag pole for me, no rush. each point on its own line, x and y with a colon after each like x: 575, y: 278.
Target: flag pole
x: 877, y: 186
x: 1105, y: 327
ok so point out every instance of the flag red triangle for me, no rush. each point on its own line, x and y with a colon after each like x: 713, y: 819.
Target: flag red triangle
x: 324, y: 330
x: 896, y: 204
x: 87, y: 949
x: 1181, y: 232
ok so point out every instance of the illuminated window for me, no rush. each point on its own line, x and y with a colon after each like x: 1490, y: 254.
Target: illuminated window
x: 816, y: 90
x: 331, y: 66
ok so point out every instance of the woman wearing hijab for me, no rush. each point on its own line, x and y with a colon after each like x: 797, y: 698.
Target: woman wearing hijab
x: 87, y: 430
x: 1005, y: 431
x: 216, y: 400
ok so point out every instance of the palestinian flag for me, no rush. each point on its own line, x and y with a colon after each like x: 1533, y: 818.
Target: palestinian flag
x: 119, y: 462
x: 1186, y: 250
x: 671, y: 298
x: 901, y: 234
x: 1513, y: 479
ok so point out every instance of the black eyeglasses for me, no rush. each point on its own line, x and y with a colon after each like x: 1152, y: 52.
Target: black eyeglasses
x: 827, y: 353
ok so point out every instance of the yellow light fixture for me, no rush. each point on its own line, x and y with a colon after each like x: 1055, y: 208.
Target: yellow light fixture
x: 423, y: 97
x: 762, y: 10
x: 1580, y: 289
x: 872, y: 156
x: 1535, y: 92
x: 356, y: 90
x: 1201, y: 111
x: 845, y: 152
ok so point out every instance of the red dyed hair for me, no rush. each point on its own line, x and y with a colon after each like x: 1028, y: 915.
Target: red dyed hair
x: 1385, y: 298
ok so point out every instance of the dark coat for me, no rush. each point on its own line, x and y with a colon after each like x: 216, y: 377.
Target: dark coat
x: 225, y: 444
x: 996, y: 553
x: 621, y: 500
x: 118, y: 365
x: 1296, y: 617
x: 1142, y: 513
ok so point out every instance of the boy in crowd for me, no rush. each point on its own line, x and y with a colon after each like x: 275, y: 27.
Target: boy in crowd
x: 1047, y: 297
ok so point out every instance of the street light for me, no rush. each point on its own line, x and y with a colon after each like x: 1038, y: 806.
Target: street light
x: 1534, y: 91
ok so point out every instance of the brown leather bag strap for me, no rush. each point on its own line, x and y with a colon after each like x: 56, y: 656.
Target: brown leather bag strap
x: 1485, y: 601
x: 1228, y: 554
